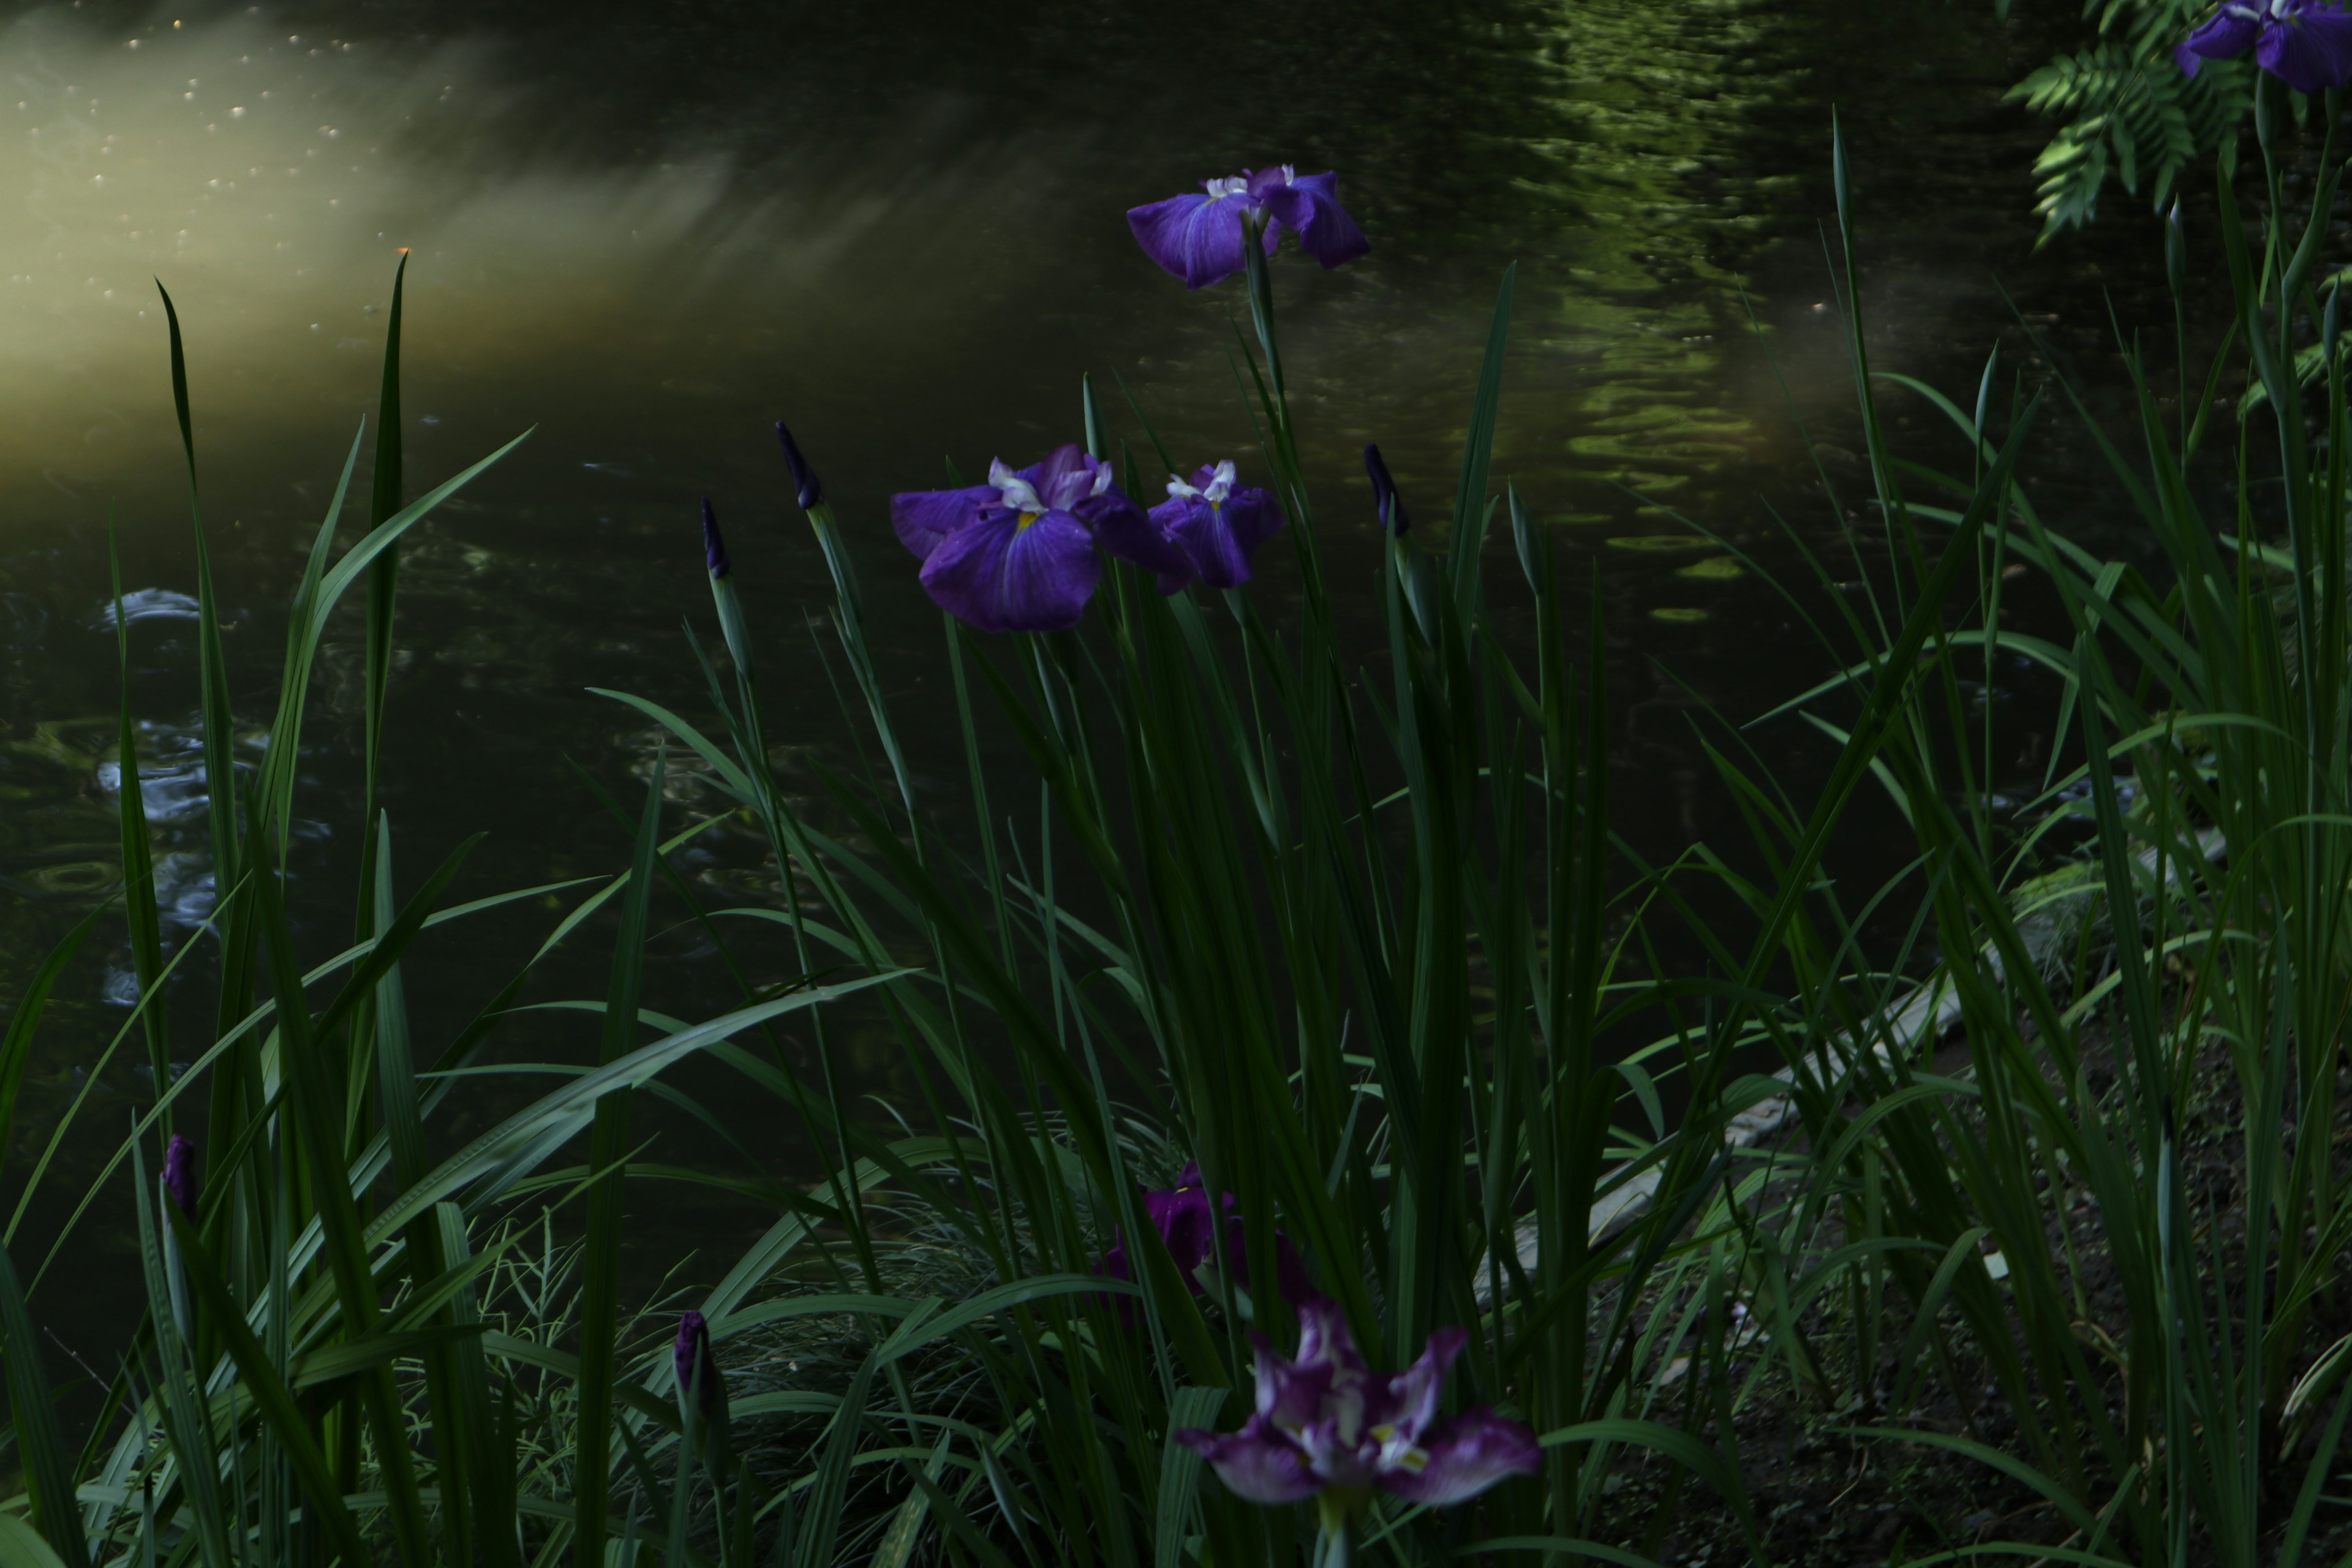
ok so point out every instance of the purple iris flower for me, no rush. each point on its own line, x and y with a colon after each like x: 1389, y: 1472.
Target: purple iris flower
x: 1186, y: 1222
x: 1200, y: 239
x: 2306, y: 44
x: 1017, y: 554
x: 714, y: 548
x: 1326, y: 1421
x: 1219, y: 524
x: 180, y: 1184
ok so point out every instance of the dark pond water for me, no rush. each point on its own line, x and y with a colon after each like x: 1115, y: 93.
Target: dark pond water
x: 651, y: 231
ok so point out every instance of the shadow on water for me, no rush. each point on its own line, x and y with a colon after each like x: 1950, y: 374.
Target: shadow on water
x: 650, y: 233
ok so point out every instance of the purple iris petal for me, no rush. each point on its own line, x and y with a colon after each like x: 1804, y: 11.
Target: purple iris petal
x: 2228, y: 34
x: 923, y: 518
x: 1259, y: 1462
x: 1181, y: 1217
x: 1413, y: 1393
x: 1198, y: 238
x: 1130, y: 532
x: 180, y: 1182
x: 1288, y: 1393
x: 1011, y: 570
x: 1187, y: 1223
x: 1310, y: 204
x: 1219, y: 525
x: 2306, y: 44
x: 2309, y: 47
x: 1464, y: 1457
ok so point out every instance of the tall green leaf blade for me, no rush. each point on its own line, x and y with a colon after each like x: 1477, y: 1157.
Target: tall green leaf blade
x: 16, y: 1045
x: 47, y: 1462
x: 1470, y: 511
x: 609, y: 1146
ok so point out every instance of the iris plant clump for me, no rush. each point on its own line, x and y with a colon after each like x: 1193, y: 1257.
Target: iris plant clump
x: 1020, y: 553
x: 2306, y: 44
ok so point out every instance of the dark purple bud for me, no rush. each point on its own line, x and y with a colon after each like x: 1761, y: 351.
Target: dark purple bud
x: 1385, y: 498
x: 180, y: 1182
x: 699, y: 1385
x: 803, y: 476
x: 714, y: 548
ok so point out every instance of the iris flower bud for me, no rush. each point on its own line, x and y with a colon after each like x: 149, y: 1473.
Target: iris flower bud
x: 180, y: 1182
x: 181, y: 1190
x: 701, y: 1391
x: 714, y: 548
x: 803, y: 476
x: 1385, y: 498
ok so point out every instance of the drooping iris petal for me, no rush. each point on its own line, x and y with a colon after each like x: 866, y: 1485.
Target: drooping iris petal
x: 2228, y: 34
x: 2309, y: 48
x: 1259, y: 1462
x: 1014, y: 572
x: 1462, y: 1458
x: 1198, y: 238
x: 1131, y: 534
x: 1310, y: 204
x: 923, y: 518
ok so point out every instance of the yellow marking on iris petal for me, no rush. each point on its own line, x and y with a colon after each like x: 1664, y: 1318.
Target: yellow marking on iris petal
x: 1026, y: 519
x: 1414, y: 1459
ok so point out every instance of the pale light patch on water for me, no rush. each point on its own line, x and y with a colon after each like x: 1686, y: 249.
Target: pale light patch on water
x: 271, y: 177
x: 145, y: 605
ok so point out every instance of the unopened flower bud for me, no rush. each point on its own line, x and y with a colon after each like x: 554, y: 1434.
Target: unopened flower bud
x: 803, y: 476
x: 1385, y: 499
x: 714, y: 548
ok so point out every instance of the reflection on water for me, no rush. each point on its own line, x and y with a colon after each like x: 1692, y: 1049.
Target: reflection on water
x: 649, y: 238
x: 1671, y: 204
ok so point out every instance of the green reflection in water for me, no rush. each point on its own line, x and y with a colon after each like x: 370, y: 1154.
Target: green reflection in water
x: 1667, y: 170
